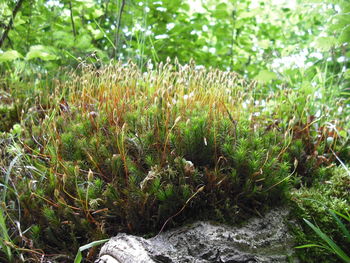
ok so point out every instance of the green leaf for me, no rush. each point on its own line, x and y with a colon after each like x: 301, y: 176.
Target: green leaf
x: 347, y: 74
x: 79, y: 256
x: 325, y: 43
x: 86, y: 3
x: 265, y: 76
x: 264, y: 43
x: 83, y: 41
x: 343, y: 133
x: 18, y: 21
x: 63, y: 39
x: 97, y: 13
x: 185, y: 7
x: 96, y: 33
x: 249, y: 14
x: 288, y: 50
x: 42, y: 52
x: 109, y: 40
x: 10, y: 55
x: 221, y: 11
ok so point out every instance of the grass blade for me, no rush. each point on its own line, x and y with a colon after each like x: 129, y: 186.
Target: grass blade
x: 79, y: 255
x: 341, y: 225
x: 330, y: 243
x: 105, y: 35
x: 312, y: 245
x: 7, y: 176
x: 346, y: 217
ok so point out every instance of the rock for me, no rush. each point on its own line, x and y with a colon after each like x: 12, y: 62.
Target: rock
x: 263, y: 239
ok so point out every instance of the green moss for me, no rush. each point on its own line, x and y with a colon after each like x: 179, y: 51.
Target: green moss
x: 312, y: 204
x: 8, y: 116
x: 126, y: 157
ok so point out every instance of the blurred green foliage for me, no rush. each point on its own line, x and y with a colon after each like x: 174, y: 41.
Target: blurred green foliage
x: 244, y: 36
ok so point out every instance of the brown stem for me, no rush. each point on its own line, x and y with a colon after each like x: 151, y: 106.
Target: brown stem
x: 116, y: 38
x: 71, y: 18
x: 10, y: 24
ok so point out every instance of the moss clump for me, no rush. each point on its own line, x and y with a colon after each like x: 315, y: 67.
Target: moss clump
x: 313, y: 204
x: 124, y: 150
x: 8, y: 116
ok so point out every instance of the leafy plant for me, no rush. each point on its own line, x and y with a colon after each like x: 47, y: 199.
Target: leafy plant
x: 326, y: 200
x: 328, y: 243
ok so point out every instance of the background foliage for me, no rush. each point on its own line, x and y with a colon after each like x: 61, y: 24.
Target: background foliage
x: 249, y: 37
x: 70, y: 153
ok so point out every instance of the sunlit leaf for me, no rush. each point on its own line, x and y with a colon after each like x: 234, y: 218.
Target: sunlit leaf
x: 221, y: 11
x: 42, y: 52
x: 19, y: 21
x: 97, y: 13
x: 265, y: 76
x: 10, y: 55
x: 347, y: 74
x: 63, y: 39
x: 325, y: 43
x: 264, y: 43
x: 83, y: 41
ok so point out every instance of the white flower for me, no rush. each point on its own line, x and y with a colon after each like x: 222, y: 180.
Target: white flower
x: 163, y: 36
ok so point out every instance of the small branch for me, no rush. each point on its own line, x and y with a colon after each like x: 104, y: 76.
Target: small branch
x: 10, y: 24
x: 71, y: 19
x: 116, y: 38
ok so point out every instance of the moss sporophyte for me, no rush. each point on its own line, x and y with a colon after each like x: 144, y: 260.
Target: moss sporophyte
x: 126, y: 150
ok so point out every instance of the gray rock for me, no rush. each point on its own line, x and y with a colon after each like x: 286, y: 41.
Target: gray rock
x: 263, y: 239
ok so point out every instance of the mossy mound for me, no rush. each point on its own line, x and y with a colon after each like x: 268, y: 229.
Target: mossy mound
x: 313, y: 204
x: 117, y: 149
